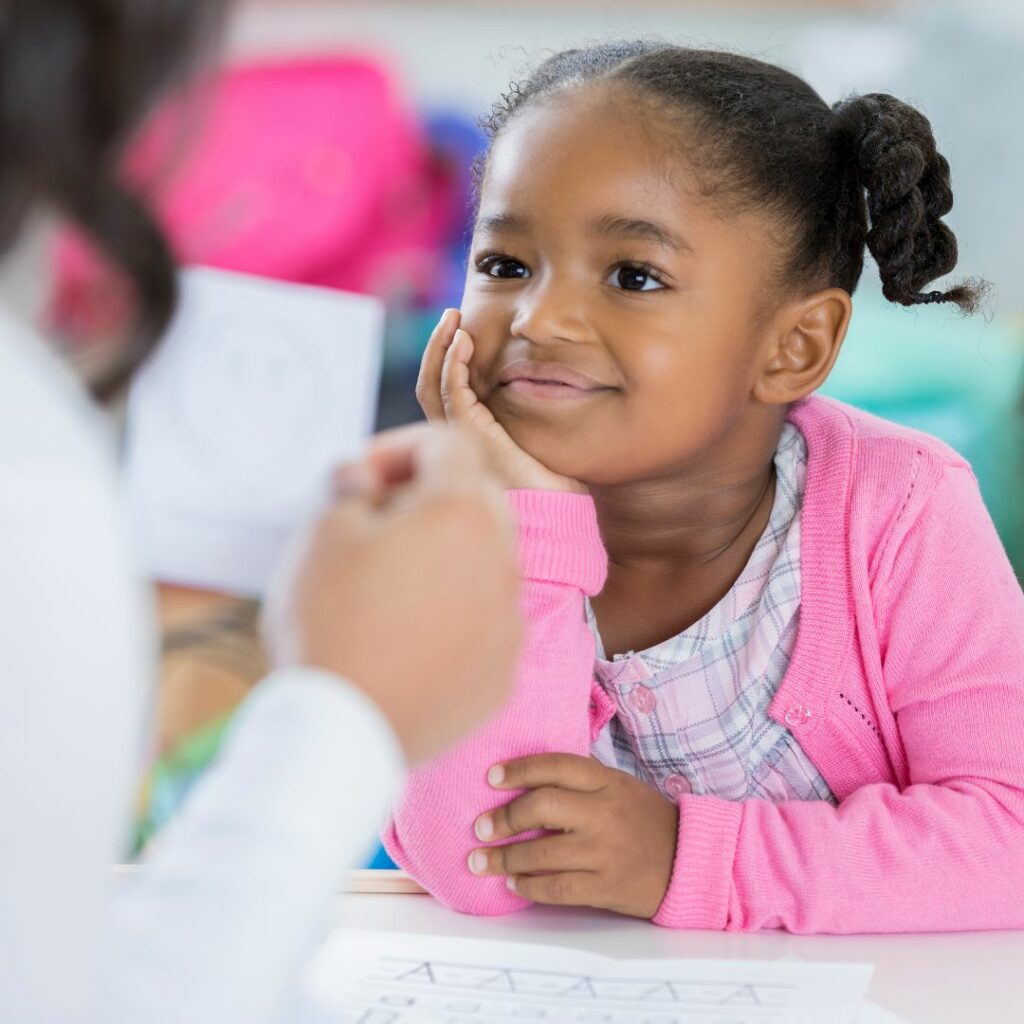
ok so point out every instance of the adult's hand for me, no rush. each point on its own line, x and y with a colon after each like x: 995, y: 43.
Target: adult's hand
x: 406, y: 586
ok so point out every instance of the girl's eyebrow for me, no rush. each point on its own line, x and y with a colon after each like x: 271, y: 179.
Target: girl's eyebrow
x: 648, y: 230
x: 502, y: 224
x: 610, y: 225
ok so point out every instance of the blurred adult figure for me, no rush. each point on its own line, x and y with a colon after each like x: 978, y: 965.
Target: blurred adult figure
x: 416, y: 545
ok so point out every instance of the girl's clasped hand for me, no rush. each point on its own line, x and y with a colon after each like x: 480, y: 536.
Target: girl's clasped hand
x: 613, y: 841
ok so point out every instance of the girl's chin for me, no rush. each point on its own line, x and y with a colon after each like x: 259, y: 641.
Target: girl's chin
x: 552, y: 455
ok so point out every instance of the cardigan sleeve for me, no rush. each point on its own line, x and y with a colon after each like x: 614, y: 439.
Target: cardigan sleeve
x: 944, y: 852
x: 431, y: 835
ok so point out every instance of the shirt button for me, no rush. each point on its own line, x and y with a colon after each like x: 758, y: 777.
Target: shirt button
x: 642, y: 699
x: 797, y: 716
x: 676, y: 786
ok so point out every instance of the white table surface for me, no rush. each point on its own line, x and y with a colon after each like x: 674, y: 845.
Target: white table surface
x: 975, y: 978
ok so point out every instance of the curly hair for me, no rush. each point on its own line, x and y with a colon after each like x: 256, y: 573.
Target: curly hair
x: 864, y: 173
x: 76, y: 77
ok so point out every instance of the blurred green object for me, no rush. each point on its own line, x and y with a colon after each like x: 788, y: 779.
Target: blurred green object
x: 171, y: 779
x: 958, y: 378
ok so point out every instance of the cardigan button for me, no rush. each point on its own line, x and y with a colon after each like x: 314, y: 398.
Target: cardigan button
x: 797, y: 716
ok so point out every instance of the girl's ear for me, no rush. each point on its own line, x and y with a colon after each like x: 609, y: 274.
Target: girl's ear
x: 804, y: 348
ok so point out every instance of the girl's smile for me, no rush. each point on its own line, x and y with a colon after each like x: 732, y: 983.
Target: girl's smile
x: 525, y: 380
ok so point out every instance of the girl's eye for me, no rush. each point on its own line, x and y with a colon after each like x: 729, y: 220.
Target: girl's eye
x: 503, y: 267
x: 633, y: 277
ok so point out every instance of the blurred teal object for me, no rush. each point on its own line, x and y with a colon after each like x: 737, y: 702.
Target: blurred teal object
x: 958, y: 378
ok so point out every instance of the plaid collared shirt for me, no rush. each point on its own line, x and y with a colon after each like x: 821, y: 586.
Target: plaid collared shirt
x: 691, y: 713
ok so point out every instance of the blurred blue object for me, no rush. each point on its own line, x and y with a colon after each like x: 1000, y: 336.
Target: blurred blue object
x: 455, y: 141
x: 381, y: 860
x: 958, y: 378
x: 458, y: 140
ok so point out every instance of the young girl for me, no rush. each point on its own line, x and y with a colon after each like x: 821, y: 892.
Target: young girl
x: 806, y: 704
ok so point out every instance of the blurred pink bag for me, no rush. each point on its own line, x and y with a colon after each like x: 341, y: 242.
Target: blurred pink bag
x: 308, y: 170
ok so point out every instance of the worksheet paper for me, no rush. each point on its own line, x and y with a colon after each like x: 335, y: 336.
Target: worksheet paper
x: 258, y: 389
x: 375, y: 978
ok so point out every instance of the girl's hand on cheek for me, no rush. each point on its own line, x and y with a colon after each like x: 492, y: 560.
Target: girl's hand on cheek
x: 444, y: 394
x: 614, y: 838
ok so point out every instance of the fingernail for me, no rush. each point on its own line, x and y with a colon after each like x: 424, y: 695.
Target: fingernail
x: 484, y: 827
x: 510, y: 883
x: 478, y: 862
x: 496, y: 776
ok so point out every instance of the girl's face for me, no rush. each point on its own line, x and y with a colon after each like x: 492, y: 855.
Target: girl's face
x: 616, y: 315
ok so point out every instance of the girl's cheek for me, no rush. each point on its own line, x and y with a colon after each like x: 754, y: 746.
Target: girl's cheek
x: 654, y: 363
x: 486, y: 347
x: 488, y: 326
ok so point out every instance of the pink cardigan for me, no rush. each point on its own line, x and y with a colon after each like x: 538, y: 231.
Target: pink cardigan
x: 906, y: 690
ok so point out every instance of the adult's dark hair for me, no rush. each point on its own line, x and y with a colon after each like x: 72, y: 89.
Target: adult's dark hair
x: 76, y: 77
x: 862, y: 173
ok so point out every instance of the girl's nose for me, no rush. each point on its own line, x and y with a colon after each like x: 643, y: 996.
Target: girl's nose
x: 550, y: 311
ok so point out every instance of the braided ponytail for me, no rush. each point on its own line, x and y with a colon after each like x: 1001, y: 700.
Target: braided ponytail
x: 907, y: 186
